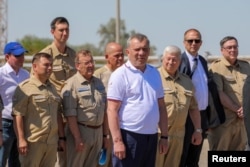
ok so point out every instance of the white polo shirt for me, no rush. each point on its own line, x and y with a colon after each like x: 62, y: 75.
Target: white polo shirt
x: 139, y: 93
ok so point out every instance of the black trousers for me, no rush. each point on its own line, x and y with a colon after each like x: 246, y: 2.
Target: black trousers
x: 191, y: 153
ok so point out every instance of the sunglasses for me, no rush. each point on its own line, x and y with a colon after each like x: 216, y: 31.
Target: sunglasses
x: 190, y: 41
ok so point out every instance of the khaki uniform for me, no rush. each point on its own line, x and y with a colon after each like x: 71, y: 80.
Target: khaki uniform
x: 85, y: 100
x: 63, y: 68
x: 179, y: 98
x: 63, y: 65
x: 39, y: 105
x: 230, y: 135
x: 104, y: 74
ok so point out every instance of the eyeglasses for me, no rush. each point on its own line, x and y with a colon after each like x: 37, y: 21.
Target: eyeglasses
x: 92, y: 62
x: 190, y: 41
x: 230, y: 47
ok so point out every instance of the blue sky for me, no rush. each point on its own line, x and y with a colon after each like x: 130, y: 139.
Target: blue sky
x: 163, y: 21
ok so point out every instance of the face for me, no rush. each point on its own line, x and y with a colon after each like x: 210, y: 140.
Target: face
x: 43, y: 68
x: 61, y: 32
x: 192, y: 42
x: 86, y: 66
x: 171, y: 62
x: 115, y: 57
x: 15, y: 62
x: 230, y: 51
x: 138, y: 53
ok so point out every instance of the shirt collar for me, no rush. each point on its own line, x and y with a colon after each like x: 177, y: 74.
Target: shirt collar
x: 81, y: 78
x: 37, y: 82
x: 224, y: 60
x: 129, y: 65
x: 191, y: 57
x: 9, y: 69
x: 56, y: 51
x: 166, y: 74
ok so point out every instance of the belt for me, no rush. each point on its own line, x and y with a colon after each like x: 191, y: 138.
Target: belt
x: 7, y: 120
x: 89, y: 126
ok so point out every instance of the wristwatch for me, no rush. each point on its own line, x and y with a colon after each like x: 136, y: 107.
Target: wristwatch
x: 199, y: 130
x: 106, y: 136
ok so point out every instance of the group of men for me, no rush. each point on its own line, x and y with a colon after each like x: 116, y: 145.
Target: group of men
x: 66, y: 112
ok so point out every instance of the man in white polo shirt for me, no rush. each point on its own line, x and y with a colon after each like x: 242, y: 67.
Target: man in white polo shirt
x: 136, y: 107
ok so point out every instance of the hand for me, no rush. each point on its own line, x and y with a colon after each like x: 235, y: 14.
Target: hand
x: 79, y: 145
x: 163, y: 146
x: 240, y: 113
x: 119, y: 150
x: 23, y: 147
x: 106, y: 142
x: 196, y: 138
x: 61, y: 145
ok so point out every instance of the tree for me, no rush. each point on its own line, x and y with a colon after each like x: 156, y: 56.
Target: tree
x: 107, y: 34
x: 34, y: 44
x: 91, y: 47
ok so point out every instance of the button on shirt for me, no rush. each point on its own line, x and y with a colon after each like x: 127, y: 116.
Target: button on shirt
x: 39, y: 104
x: 199, y: 80
x: 9, y: 80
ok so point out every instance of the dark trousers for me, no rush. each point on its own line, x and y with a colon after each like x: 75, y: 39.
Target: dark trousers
x: 9, y: 150
x: 140, y: 150
x: 191, y: 153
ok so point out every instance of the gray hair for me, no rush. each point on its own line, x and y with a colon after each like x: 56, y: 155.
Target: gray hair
x: 172, y: 49
x: 227, y: 38
x: 140, y: 37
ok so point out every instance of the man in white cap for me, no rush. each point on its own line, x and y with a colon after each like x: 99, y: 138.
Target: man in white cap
x: 11, y: 74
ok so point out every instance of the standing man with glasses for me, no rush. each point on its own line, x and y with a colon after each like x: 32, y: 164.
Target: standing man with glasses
x: 84, y: 106
x: 195, y: 66
x: 11, y: 74
x: 230, y: 74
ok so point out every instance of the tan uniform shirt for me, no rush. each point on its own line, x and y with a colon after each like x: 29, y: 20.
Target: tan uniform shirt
x: 63, y: 65
x: 103, y: 74
x: 85, y: 100
x: 230, y: 79
x: 178, y: 97
x: 39, y: 105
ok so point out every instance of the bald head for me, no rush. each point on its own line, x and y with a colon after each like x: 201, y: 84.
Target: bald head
x: 114, y: 55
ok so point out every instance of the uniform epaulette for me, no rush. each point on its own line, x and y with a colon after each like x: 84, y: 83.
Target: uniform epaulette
x: 242, y: 61
x: 24, y: 82
x: 184, y: 75
x: 216, y: 61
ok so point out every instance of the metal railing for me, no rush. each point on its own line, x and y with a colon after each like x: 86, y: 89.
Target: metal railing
x: 100, y: 61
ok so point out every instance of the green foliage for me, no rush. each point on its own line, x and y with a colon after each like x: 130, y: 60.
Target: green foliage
x: 34, y: 44
x: 107, y: 32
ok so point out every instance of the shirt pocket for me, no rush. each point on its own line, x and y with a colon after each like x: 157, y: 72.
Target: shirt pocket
x: 40, y: 102
x: 185, y: 97
x: 85, y: 99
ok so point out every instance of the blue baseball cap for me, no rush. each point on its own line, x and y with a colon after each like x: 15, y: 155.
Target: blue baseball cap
x: 14, y: 48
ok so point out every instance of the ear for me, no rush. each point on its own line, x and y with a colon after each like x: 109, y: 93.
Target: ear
x: 52, y: 31
x: 77, y: 66
x: 106, y: 56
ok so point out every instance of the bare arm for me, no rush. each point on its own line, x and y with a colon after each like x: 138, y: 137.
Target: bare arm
x: 196, y: 120
x: 113, y: 120
x: 228, y: 103
x: 60, y: 131
x: 18, y: 126
x: 163, y: 124
x: 72, y: 122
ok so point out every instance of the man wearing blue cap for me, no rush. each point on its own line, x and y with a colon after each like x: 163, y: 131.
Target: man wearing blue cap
x: 11, y: 74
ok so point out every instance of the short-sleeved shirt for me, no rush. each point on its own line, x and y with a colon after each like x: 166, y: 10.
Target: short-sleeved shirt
x: 63, y: 65
x: 139, y: 93
x: 9, y: 80
x: 39, y: 105
x: 84, y: 99
x: 230, y: 79
x: 178, y: 96
x: 103, y: 74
